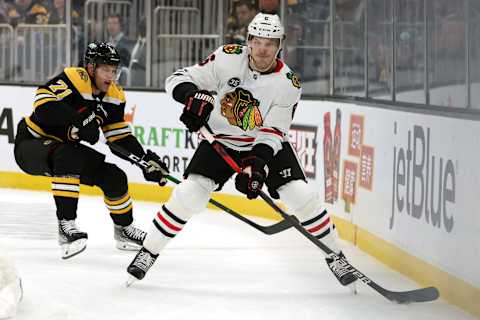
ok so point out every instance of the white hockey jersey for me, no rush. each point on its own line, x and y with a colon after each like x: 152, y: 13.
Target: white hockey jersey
x: 250, y: 107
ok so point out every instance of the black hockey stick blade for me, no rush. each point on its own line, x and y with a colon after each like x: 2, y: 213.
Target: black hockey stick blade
x: 405, y: 297
x: 269, y: 230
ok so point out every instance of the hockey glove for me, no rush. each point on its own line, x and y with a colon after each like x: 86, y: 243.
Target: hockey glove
x: 251, y: 180
x: 84, y: 127
x: 197, y: 110
x: 156, y: 170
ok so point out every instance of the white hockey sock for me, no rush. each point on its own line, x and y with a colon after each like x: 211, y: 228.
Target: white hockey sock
x: 165, y: 227
x: 189, y: 197
x: 305, y: 203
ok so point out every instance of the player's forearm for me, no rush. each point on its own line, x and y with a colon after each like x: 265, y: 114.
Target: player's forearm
x: 131, y: 144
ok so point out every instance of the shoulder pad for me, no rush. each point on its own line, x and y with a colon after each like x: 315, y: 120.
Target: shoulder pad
x: 233, y: 49
x: 80, y: 80
x: 293, y: 77
x: 115, y: 95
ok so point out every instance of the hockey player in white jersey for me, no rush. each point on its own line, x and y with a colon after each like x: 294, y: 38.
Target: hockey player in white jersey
x: 257, y: 94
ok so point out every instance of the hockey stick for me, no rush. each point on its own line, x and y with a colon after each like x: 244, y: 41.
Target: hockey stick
x: 269, y: 230
x: 418, y: 295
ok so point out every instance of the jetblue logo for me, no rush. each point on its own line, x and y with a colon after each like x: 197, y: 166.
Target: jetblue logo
x: 423, y: 182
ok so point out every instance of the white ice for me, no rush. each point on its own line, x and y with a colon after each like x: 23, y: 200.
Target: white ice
x: 216, y: 268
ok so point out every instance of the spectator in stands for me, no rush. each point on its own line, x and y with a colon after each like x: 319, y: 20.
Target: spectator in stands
x: 138, y: 61
x: 244, y: 12
x: 117, y: 38
x: 269, y: 6
x: 28, y: 11
x: 3, y: 12
x: 57, y: 13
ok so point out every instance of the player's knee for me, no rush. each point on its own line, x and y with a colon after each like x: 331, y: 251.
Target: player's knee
x: 301, y: 198
x: 192, y: 195
x: 112, y: 180
x: 67, y: 160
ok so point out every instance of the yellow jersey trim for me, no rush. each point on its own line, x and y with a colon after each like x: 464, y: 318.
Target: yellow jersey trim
x: 32, y: 126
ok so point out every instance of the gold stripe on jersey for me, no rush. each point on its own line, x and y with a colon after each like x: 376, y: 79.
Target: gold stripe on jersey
x: 116, y: 131
x: 113, y: 126
x: 42, y: 96
x: 41, y: 101
x: 44, y: 91
x: 36, y: 129
x: 113, y: 139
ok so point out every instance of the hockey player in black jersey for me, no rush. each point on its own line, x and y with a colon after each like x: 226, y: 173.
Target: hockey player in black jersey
x: 70, y: 109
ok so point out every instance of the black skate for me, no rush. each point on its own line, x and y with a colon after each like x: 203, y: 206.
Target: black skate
x: 340, y: 269
x: 142, y: 262
x: 72, y: 240
x: 128, y: 238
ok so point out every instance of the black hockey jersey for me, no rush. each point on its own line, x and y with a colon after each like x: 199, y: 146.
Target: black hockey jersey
x: 60, y: 99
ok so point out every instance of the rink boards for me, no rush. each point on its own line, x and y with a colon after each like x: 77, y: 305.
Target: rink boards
x: 402, y: 185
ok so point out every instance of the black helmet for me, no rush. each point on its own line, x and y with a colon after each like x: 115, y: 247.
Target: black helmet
x: 101, y: 53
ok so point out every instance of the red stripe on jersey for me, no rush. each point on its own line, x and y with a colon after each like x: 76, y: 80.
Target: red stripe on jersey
x: 272, y: 131
x: 320, y: 226
x: 167, y: 223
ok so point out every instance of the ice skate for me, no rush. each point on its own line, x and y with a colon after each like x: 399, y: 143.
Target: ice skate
x: 337, y: 264
x: 71, y: 240
x: 128, y: 238
x: 142, y: 262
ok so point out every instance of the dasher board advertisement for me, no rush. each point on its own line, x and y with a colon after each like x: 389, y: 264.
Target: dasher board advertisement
x: 408, y: 178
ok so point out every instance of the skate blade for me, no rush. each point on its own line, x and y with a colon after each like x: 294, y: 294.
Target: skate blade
x: 70, y: 250
x: 127, y: 246
x: 131, y: 280
x: 353, y: 287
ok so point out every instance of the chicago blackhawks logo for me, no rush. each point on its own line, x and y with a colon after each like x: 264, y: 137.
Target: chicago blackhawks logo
x: 241, y: 109
x: 232, y: 49
x: 295, y: 80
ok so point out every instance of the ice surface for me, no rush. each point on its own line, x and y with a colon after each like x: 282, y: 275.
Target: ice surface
x: 216, y: 268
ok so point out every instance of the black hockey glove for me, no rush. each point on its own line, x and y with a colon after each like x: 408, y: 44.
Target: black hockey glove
x: 197, y: 110
x: 84, y: 127
x: 156, y: 170
x: 251, y: 180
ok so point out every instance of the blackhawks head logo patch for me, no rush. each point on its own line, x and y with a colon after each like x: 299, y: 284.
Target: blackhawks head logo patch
x: 294, y: 78
x: 241, y: 109
x: 232, y: 49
